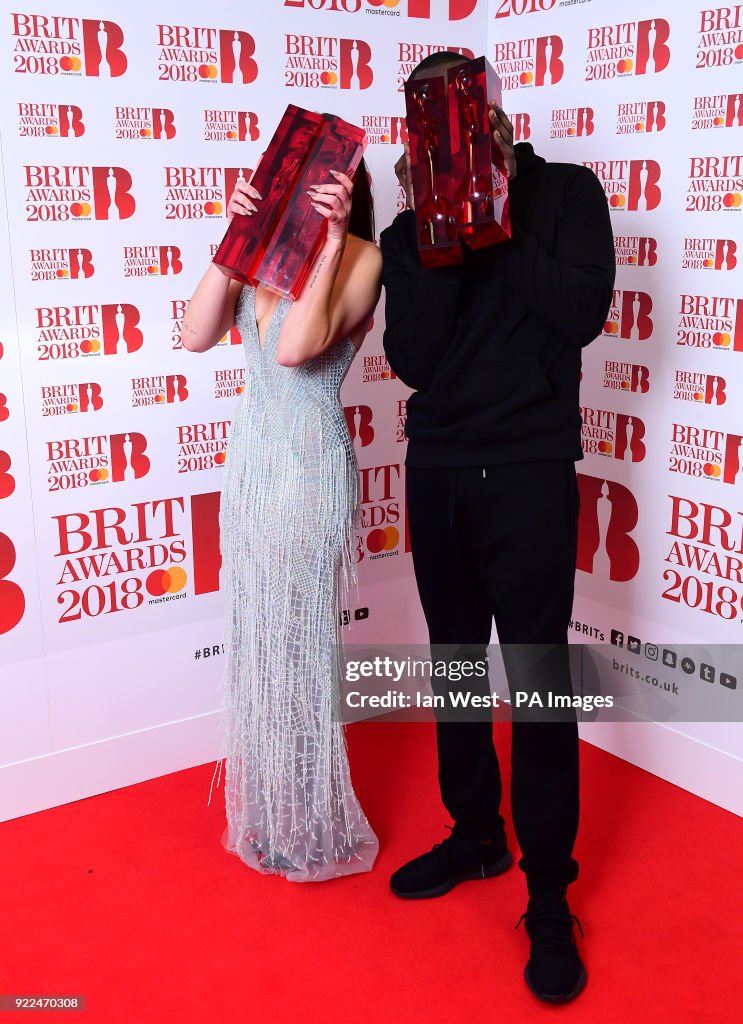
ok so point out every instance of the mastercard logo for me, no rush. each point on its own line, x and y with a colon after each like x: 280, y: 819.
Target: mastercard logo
x: 721, y: 339
x: 605, y: 447
x: 212, y: 209
x: 153, y: 269
x: 80, y: 209
x: 733, y: 200
x: 385, y: 539
x: 640, y: 126
x: 72, y: 407
x: 698, y: 396
x: 90, y: 346
x: 329, y: 78
x: 712, y: 471
x: 51, y: 129
x: 617, y: 201
x: 62, y: 272
x: 383, y: 3
x: 526, y: 78
x: 207, y: 71
x: 611, y: 327
x: 231, y: 135
x: 97, y: 476
x: 70, y: 63
x: 625, y: 66
x: 145, y: 133
x: 166, y: 581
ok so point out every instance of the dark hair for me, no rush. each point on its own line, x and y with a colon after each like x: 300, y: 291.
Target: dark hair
x: 436, y: 62
x: 361, y: 222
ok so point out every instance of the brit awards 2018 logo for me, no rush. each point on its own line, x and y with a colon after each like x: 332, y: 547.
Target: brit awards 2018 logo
x: 144, y: 123
x: 63, y: 399
x: 197, y: 54
x: 711, y: 321
x: 230, y: 126
x: 722, y: 111
x: 410, y: 54
x: 202, y: 445
x: 635, y: 250
x: 630, y: 316
x: 60, y: 264
x: 115, y: 559
x: 720, y: 41
x: 360, y: 426
x: 571, y: 122
x: 384, y: 129
x: 162, y: 389
x: 612, y: 434
x: 534, y: 61
x: 456, y: 10
x: 99, y: 459
x: 193, y: 193
x: 709, y: 254
x: 608, y: 515
x: 521, y: 126
x: 376, y: 368
x: 706, y: 453
x: 629, y: 184
x: 380, y: 499
x: 629, y: 48
x: 715, y: 184
x: 644, y: 116
x: 619, y: 376
x: 326, y: 62
x: 71, y: 192
x: 401, y: 417
x: 60, y: 45
x: 50, y: 121
x: 705, y: 558
x: 68, y: 332
x: 152, y: 260
x: 229, y: 383
x: 708, y: 388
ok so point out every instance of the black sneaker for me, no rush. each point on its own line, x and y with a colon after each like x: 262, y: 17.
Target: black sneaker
x: 555, y: 972
x: 447, y: 864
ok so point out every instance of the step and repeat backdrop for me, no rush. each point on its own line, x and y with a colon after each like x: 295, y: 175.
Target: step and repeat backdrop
x: 123, y: 132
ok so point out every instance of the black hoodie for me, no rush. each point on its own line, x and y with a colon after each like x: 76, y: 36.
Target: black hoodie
x: 492, y: 347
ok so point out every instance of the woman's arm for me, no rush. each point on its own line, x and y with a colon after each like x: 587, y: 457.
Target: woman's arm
x: 342, y: 288
x: 211, y: 311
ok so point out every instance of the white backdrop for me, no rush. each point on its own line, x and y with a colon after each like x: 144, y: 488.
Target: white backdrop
x: 116, y: 174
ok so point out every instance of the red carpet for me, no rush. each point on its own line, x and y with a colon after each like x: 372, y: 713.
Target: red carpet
x: 129, y: 899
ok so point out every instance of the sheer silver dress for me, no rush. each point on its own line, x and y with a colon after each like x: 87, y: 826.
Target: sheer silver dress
x: 288, y: 516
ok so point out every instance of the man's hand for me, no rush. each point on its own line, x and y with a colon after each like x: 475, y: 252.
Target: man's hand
x: 503, y: 137
x: 402, y: 170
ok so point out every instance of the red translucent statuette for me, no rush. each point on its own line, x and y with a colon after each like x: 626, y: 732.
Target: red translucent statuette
x: 300, y: 231
x: 427, y: 118
x: 244, y: 244
x: 478, y: 166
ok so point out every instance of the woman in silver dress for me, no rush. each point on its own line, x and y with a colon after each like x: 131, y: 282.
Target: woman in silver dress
x: 288, y: 513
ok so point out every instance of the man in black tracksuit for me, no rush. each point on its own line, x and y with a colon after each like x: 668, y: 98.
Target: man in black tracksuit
x: 492, y: 350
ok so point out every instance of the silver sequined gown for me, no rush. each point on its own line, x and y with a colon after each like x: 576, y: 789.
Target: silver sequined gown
x: 289, y: 502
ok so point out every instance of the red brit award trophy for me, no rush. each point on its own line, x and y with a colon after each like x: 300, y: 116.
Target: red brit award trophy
x: 244, y: 244
x: 300, y: 231
x: 479, y: 167
x: 430, y: 170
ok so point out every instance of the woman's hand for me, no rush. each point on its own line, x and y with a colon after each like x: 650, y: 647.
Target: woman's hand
x: 402, y: 171
x: 503, y: 137
x: 240, y: 200
x: 333, y: 202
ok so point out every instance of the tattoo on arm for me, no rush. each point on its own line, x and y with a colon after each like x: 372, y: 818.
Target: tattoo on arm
x: 317, y: 270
